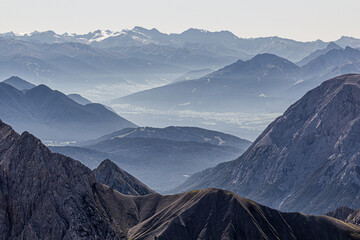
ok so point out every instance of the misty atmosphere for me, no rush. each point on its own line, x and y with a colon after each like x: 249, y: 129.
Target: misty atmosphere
x: 146, y: 124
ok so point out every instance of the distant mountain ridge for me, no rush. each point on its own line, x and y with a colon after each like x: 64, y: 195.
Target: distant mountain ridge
x: 54, y: 116
x: 79, y: 99
x: 19, y: 83
x: 318, y: 53
x: 162, y: 158
x: 175, y: 133
x: 225, y: 40
x: 259, y: 83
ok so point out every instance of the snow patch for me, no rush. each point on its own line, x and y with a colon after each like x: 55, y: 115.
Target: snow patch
x: 221, y: 142
x: 262, y: 95
x: 298, y: 82
x: 184, y: 104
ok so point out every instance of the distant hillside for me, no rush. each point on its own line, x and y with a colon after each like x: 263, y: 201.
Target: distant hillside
x: 194, y: 75
x: 79, y: 99
x: 318, y: 53
x: 19, y: 83
x: 160, y: 157
x: 242, y: 86
x: 185, y: 134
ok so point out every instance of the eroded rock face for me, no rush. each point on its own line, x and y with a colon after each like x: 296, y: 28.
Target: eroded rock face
x: 45, y: 195
x: 346, y: 214
x: 341, y: 213
x: 110, y: 174
x: 354, y: 218
x: 306, y: 160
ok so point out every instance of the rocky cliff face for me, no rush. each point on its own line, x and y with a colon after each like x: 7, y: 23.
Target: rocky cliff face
x: 305, y: 156
x: 110, y: 174
x: 341, y: 213
x: 45, y: 195
x: 354, y: 217
x: 346, y: 214
x: 49, y: 196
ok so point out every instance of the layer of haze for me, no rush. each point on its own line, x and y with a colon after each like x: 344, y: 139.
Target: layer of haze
x: 301, y: 20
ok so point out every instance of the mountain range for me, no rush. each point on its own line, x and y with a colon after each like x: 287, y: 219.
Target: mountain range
x: 49, y: 196
x: 258, y: 88
x: 223, y: 43
x: 243, y: 86
x: 309, y: 153
x: 53, y: 116
x: 105, y: 60
x: 260, y: 82
x: 69, y: 59
x: 162, y: 158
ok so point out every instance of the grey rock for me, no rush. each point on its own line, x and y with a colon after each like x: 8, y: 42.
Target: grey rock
x: 306, y: 160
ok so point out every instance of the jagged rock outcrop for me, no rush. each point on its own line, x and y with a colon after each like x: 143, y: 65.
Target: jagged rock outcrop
x: 346, y: 214
x: 110, y: 174
x: 305, y: 156
x: 45, y: 195
x: 341, y: 213
x: 354, y: 218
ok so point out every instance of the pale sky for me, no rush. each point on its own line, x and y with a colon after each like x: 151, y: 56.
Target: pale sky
x: 301, y: 20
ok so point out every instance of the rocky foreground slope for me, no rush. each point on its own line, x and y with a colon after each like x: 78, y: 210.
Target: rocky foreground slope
x: 346, y: 214
x: 307, y: 160
x: 44, y: 195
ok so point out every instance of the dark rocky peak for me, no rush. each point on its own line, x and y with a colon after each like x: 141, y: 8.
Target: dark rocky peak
x: 45, y: 195
x: 354, y: 218
x: 110, y: 174
x: 341, y: 213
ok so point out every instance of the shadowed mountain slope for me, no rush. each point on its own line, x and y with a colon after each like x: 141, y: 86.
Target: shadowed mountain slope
x: 53, y: 116
x: 307, y: 154
x: 259, y: 83
x: 19, y: 83
x: 110, y: 174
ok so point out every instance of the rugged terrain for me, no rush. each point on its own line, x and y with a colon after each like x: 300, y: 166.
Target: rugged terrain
x: 309, y: 153
x: 50, y: 196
